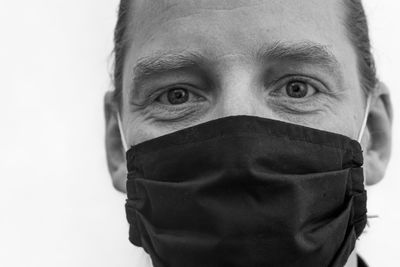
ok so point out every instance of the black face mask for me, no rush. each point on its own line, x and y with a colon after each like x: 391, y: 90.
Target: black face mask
x: 245, y: 191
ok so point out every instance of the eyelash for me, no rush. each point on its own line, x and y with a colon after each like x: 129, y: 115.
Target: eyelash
x: 283, y: 81
x: 280, y: 83
x: 158, y: 93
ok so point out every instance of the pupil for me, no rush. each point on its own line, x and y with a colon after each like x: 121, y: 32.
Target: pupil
x: 296, y: 89
x: 177, y: 96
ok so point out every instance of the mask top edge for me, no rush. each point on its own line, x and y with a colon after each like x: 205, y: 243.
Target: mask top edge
x: 244, y: 124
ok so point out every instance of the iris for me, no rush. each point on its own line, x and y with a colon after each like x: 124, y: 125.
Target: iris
x: 297, y: 89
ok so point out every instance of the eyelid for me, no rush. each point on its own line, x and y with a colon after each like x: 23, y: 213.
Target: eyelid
x: 152, y: 94
x: 191, y: 90
x: 319, y: 86
x: 184, y: 109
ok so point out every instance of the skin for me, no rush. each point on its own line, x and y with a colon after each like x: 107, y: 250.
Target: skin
x: 231, y: 80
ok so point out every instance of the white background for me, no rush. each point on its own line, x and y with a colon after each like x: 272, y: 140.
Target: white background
x: 57, y: 203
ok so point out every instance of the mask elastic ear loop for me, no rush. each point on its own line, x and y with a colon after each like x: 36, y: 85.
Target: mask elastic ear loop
x: 124, y: 144
x: 364, y: 124
x: 362, y: 130
x: 360, y: 135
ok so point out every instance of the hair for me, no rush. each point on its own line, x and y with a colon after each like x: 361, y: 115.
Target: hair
x: 120, y: 48
x: 355, y: 23
x: 358, y: 33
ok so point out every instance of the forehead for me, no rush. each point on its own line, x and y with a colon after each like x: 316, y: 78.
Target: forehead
x: 223, y: 28
x: 174, y: 22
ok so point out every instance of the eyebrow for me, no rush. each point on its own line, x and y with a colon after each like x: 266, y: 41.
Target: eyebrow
x: 306, y: 52
x: 165, y: 61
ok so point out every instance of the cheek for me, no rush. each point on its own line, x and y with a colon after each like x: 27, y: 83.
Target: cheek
x: 343, y: 118
x: 346, y: 119
x: 139, y: 130
x: 338, y: 117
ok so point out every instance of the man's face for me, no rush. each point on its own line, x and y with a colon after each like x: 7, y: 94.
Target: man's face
x: 193, y: 61
x: 189, y: 62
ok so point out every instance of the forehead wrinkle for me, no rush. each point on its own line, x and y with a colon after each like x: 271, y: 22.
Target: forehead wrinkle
x: 154, y: 13
x: 202, y: 4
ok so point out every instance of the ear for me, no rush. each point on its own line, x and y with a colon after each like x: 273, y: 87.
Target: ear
x: 114, y: 149
x: 378, y: 137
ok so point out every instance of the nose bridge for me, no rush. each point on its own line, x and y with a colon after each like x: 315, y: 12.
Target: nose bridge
x: 238, y: 92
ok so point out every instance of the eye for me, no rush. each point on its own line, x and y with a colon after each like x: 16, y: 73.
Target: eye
x: 174, y: 96
x: 299, y: 89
